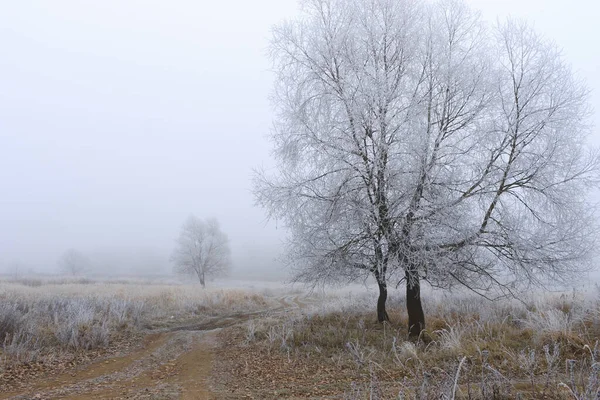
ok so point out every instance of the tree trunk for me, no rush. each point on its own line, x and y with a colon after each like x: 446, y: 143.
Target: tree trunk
x: 416, y: 317
x: 382, y: 315
x: 201, y: 279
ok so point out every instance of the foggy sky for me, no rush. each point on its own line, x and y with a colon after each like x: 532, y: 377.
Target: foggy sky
x: 119, y: 118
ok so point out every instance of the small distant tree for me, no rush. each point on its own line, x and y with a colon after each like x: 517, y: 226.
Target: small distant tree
x: 202, y: 249
x: 73, y: 262
x: 16, y: 269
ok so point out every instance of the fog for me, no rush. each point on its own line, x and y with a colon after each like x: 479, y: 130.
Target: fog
x: 118, y: 119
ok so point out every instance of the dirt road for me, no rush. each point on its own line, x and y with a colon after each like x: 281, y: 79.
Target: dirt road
x: 169, y: 365
x: 173, y: 363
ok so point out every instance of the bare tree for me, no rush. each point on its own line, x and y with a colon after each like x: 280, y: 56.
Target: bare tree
x: 415, y: 143
x: 202, y: 249
x: 16, y: 269
x: 73, y: 262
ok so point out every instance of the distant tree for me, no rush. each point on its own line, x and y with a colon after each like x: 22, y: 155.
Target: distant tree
x: 16, y: 269
x: 73, y: 262
x: 413, y: 143
x: 202, y: 249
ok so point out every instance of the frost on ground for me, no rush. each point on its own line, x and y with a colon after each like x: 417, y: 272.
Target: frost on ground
x: 544, y: 347
x: 52, y: 328
x: 270, y: 342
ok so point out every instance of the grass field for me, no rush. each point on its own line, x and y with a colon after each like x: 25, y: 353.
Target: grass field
x: 544, y: 348
x: 284, y: 343
x: 43, y: 319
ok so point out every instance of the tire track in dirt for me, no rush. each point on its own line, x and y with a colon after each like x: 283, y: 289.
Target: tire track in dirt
x: 97, y: 369
x: 104, y: 375
x: 183, y: 376
x: 173, y: 363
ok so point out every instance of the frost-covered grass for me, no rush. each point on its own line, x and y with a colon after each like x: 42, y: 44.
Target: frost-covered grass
x: 69, y: 317
x: 546, y: 346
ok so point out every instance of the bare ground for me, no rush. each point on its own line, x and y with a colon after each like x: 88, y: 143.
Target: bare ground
x: 168, y: 365
x: 174, y: 360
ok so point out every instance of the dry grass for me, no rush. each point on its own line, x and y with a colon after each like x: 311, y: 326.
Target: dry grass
x: 327, y: 345
x: 39, y: 322
x: 545, y: 348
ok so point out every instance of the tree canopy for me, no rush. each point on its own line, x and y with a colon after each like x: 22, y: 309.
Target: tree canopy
x: 415, y: 142
x: 202, y: 249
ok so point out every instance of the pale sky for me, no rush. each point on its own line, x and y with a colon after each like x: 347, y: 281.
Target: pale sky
x: 119, y: 118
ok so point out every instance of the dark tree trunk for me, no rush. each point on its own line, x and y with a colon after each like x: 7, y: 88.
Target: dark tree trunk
x: 416, y: 317
x: 201, y: 279
x: 382, y: 315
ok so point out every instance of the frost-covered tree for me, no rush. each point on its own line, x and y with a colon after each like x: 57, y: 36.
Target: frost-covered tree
x: 73, y: 262
x: 16, y: 269
x: 202, y: 249
x: 415, y: 143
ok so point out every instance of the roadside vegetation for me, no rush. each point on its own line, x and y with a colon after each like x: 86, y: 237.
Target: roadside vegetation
x: 544, y: 348
x: 56, y: 325
x: 318, y: 345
